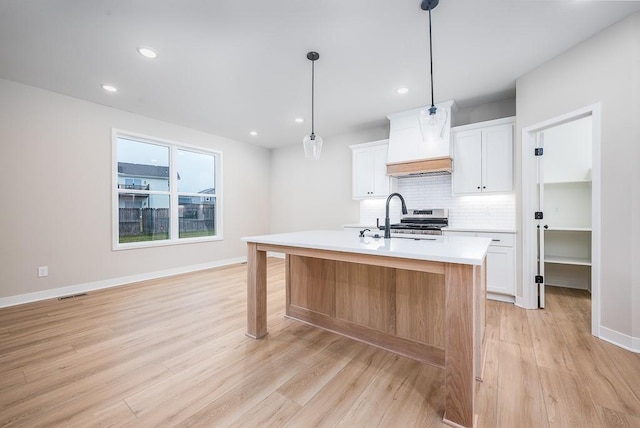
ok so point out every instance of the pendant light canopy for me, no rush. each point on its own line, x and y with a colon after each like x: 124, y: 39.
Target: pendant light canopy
x: 312, y: 143
x: 433, y: 119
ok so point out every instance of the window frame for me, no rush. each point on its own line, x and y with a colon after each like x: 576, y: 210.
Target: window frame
x: 173, y: 193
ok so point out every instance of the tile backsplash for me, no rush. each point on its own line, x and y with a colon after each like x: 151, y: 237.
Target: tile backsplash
x: 470, y: 211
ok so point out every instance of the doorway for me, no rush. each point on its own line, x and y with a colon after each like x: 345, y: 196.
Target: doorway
x: 561, y: 207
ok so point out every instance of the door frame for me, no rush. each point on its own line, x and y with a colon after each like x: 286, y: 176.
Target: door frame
x: 529, y: 299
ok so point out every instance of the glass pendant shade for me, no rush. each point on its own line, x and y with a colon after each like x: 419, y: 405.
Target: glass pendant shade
x: 312, y: 146
x: 432, y: 121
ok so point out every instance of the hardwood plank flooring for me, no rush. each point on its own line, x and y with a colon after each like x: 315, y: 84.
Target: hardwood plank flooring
x: 172, y: 352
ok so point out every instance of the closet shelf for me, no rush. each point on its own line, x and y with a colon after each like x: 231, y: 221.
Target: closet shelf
x: 576, y: 261
x: 567, y: 182
x: 568, y: 229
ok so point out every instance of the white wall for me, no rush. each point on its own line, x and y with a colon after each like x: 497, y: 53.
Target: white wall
x: 308, y: 194
x: 604, y: 69
x: 484, y: 112
x: 55, y: 168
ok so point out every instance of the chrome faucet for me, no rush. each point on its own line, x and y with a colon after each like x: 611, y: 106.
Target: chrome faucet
x: 387, y: 225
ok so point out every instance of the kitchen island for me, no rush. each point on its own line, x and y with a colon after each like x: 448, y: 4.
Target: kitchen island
x: 421, y: 299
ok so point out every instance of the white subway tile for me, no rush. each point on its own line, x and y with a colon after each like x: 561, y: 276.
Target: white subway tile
x: 479, y: 211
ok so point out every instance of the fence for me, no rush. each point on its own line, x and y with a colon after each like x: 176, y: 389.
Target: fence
x: 153, y: 221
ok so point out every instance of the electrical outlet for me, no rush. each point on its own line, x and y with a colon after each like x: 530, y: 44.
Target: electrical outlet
x: 43, y: 271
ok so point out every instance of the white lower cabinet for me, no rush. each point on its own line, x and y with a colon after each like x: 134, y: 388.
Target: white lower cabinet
x: 501, y: 263
x: 500, y: 270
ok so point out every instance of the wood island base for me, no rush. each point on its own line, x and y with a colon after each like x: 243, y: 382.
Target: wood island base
x: 432, y: 312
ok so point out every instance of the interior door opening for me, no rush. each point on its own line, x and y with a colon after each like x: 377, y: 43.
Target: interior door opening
x: 561, y: 201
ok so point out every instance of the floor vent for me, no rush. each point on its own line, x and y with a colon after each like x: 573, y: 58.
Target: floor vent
x: 72, y: 296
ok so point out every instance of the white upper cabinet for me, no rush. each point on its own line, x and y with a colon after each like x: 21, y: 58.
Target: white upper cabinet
x: 467, y: 155
x: 497, y: 158
x: 483, y: 157
x: 370, y: 178
x: 405, y: 138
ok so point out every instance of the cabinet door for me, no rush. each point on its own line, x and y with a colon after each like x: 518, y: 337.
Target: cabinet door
x: 497, y: 158
x: 501, y: 263
x: 362, y: 173
x: 500, y: 270
x: 467, y: 171
x: 380, y: 179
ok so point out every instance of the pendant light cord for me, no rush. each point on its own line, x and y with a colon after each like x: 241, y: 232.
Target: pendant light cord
x: 313, y: 67
x: 430, y: 57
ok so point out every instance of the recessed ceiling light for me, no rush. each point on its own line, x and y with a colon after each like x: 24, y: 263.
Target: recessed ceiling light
x: 253, y: 133
x: 147, y: 52
x: 109, y: 88
x: 402, y: 91
x: 299, y: 120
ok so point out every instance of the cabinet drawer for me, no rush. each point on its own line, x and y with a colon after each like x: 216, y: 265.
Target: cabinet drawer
x: 499, y: 239
x: 457, y: 233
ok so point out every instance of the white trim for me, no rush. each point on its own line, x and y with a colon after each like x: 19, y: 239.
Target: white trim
x: 596, y: 220
x: 511, y: 120
x: 521, y: 303
x: 114, y: 282
x: 622, y: 340
x: 507, y: 298
x: 174, y: 220
x: 529, y: 299
x: 529, y: 292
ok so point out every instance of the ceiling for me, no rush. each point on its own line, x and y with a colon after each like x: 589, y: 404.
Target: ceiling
x: 229, y: 67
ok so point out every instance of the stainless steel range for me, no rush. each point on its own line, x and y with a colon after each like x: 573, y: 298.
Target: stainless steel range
x: 422, y: 222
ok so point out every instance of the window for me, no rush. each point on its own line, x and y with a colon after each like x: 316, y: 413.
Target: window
x: 164, y: 193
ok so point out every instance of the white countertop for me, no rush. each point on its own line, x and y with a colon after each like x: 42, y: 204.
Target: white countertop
x: 448, y: 249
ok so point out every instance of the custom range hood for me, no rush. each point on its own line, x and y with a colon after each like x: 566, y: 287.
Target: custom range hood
x: 419, y: 140
x: 410, y: 153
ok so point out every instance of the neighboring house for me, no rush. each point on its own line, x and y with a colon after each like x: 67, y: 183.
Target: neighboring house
x: 136, y: 176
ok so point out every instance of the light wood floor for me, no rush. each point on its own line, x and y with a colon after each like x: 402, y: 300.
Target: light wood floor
x: 172, y: 352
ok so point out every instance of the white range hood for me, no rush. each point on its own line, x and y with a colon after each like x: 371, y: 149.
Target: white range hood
x: 408, y: 154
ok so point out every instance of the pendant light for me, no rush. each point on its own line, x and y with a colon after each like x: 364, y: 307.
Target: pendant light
x: 312, y: 143
x: 433, y: 119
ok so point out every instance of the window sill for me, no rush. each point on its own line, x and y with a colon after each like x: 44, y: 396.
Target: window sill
x: 165, y: 242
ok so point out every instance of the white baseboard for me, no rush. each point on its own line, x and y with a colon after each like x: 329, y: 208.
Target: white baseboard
x: 622, y: 340
x: 501, y: 297
x: 108, y: 283
x: 276, y: 255
x: 523, y: 303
